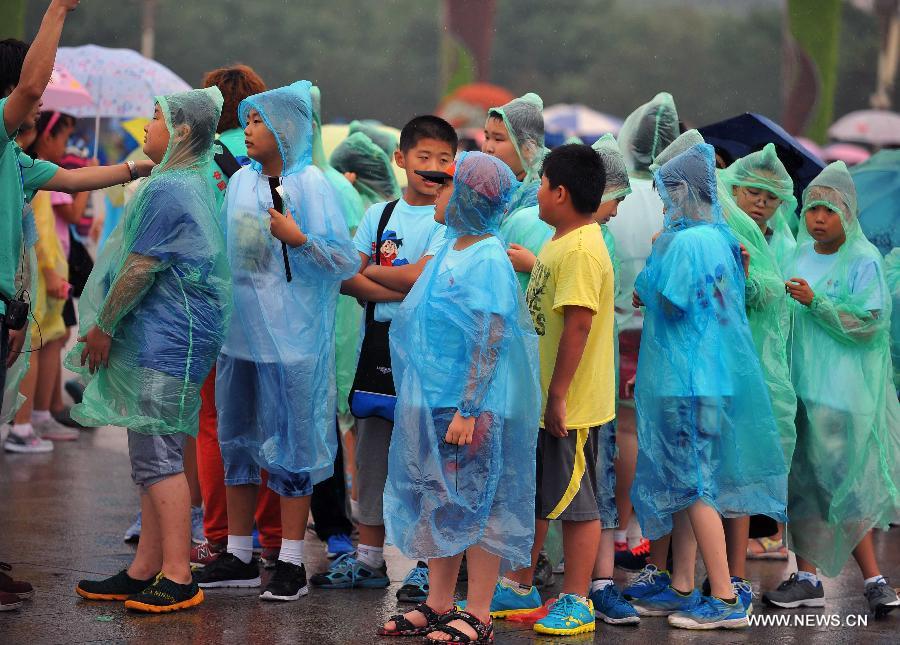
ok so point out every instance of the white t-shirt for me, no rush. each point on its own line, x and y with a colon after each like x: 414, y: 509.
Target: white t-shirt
x: 816, y: 267
x: 639, y: 217
x: 411, y: 233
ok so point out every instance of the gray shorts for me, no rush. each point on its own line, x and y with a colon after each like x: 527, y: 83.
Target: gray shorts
x: 576, y: 476
x: 155, y: 457
x: 373, y: 439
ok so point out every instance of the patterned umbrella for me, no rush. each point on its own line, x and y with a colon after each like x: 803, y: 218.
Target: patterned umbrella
x: 562, y: 121
x: 64, y: 93
x: 874, y: 127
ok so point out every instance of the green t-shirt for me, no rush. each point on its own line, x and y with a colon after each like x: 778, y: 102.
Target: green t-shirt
x: 20, y: 177
x: 525, y: 228
x: 233, y: 140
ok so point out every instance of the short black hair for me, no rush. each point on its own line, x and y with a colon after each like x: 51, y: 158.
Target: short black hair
x: 12, y: 57
x: 579, y: 169
x: 427, y: 126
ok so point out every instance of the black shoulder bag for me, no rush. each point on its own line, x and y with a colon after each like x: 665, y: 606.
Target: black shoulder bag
x: 373, y: 393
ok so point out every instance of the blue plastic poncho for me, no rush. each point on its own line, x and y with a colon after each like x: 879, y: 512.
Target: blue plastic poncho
x: 463, y: 340
x: 285, y: 329
x: 349, y: 315
x: 705, y: 425
x: 161, y: 286
x: 763, y: 170
x: 846, y: 470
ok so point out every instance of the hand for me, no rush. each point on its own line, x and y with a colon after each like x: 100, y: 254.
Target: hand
x: 555, y: 417
x: 284, y: 228
x: 461, y: 430
x: 16, y: 342
x: 799, y: 290
x: 68, y: 5
x: 96, y: 349
x: 745, y: 260
x: 56, y: 287
x: 522, y: 259
x: 143, y: 167
x: 351, y: 177
x: 629, y: 387
x: 636, y: 301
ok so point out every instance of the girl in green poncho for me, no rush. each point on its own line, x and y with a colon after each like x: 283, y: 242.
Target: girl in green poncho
x: 846, y: 466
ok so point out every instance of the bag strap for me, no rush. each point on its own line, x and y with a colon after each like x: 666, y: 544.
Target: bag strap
x: 382, y: 224
x: 278, y: 204
x: 226, y: 160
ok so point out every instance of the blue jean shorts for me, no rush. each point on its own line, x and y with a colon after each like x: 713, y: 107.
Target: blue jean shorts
x: 155, y: 457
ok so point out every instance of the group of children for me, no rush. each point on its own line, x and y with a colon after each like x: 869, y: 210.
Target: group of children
x: 495, y: 289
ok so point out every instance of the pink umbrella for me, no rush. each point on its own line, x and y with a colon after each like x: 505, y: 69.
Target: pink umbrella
x: 846, y: 152
x: 64, y: 92
x: 812, y: 146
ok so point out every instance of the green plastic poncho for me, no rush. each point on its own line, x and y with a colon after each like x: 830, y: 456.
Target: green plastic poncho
x: 462, y: 340
x: 375, y: 179
x: 524, y: 121
x: 846, y: 468
x: 647, y: 131
x: 161, y: 287
x: 763, y: 170
x: 349, y: 315
x: 380, y: 137
x: 892, y: 275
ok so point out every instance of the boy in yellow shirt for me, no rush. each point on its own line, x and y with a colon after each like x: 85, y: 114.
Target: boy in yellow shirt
x: 570, y: 298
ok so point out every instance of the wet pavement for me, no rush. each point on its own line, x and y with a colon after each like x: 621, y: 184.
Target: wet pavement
x: 63, y: 514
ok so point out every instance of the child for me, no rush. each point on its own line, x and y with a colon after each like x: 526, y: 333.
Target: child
x: 153, y: 317
x: 572, y: 284
x: 368, y: 167
x: 844, y: 476
x: 465, y: 361
x: 427, y: 143
x: 699, y: 386
x: 288, y: 249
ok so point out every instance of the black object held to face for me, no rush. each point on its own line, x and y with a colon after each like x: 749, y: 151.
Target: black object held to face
x: 278, y: 204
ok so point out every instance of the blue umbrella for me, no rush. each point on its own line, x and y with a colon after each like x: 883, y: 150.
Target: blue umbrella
x: 878, y: 195
x: 562, y: 121
x: 739, y: 136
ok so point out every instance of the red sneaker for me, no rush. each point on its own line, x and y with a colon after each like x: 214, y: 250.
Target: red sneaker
x: 205, y: 553
x: 9, y: 601
x: 621, y: 547
x: 18, y: 588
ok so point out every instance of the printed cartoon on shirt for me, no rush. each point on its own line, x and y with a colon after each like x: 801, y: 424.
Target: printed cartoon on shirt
x: 389, y: 249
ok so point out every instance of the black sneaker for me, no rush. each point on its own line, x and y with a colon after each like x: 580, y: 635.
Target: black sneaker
x: 164, y: 596
x: 634, y: 559
x: 287, y: 583
x: 415, y: 585
x: 228, y: 570
x: 882, y: 598
x: 543, y: 572
x: 118, y: 587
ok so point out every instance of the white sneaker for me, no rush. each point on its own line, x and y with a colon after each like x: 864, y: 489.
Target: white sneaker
x: 55, y: 431
x: 28, y: 444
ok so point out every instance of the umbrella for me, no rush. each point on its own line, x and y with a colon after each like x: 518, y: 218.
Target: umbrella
x: 812, y: 146
x: 562, y: 121
x: 749, y: 132
x: 467, y: 106
x: 878, y: 195
x: 875, y: 127
x: 121, y: 81
x: 64, y: 93
x: 847, y: 152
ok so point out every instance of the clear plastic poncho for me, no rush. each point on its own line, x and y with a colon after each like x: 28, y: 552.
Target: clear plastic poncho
x: 285, y: 328
x: 375, y: 179
x: 463, y: 340
x: 349, y: 316
x: 647, y: 131
x: 685, y: 140
x: 846, y: 468
x: 380, y: 137
x: 705, y: 425
x: 161, y: 287
x: 763, y: 170
x: 524, y: 121
x: 617, y: 183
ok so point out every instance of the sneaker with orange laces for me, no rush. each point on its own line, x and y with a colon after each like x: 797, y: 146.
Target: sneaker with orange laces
x: 635, y: 559
x: 18, y: 588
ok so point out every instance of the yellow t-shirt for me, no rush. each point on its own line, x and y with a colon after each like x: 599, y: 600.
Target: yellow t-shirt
x: 576, y: 270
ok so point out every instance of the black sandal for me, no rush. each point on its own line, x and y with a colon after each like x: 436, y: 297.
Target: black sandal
x: 484, y: 631
x: 404, y: 627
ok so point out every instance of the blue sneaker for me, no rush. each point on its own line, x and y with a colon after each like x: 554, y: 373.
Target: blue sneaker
x: 415, y: 585
x: 568, y: 616
x: 612, y: 608
x: 648, y: 582
x: 197, y: 536
x: 665, y: 602
x: 348, y: 573
x: 711, y: 613
x: 511, y: 601
x: 338, y: 545
x: 744, y: 591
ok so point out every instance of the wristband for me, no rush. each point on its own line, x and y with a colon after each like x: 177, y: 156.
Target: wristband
x: 132, y: 169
